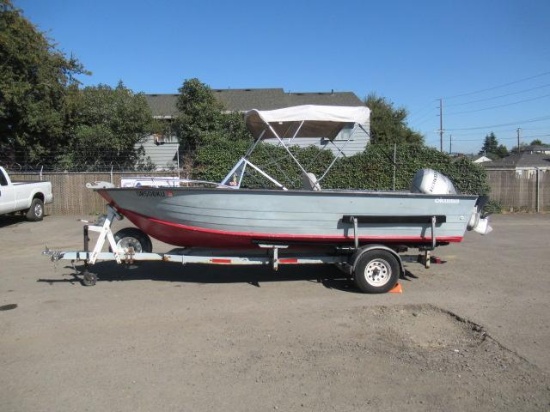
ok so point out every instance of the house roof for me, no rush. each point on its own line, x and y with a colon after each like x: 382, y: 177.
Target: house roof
x: 481, y: 159
x: 162, y: 105
x: 521, y: 160
x: 240, y: 100
x: 536, y: 148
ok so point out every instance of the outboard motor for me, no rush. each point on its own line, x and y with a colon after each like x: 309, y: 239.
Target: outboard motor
x: 431, y: 182
x: 479, y: 223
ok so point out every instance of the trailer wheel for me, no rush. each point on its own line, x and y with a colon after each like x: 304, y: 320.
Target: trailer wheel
x: 36, y: 211
x: 376, y: 271
x: 133, y: 237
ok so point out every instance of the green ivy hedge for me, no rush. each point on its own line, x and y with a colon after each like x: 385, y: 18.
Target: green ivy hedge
x: 373, y: 169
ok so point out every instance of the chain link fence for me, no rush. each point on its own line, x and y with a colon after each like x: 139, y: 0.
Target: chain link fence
x: 83, y: 160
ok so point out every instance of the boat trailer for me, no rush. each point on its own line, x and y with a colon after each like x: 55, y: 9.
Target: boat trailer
x: 375, y: 268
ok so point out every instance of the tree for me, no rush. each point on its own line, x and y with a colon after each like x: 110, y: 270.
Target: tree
x: 490, y: 144
x: 492, y: 149
x: 200, y: 113
x: 105, y: 124
x: 521, y: 148
x: 538, y: 142
x: 202, y: 116
x: 388, y: 124
x: 35, y: 79
x: 502, y: 151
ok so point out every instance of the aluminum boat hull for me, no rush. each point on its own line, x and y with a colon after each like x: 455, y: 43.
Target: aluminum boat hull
x: 243, y: 219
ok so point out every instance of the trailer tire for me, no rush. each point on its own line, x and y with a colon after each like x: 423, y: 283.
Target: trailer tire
x: 376, y: 271
x: 36, y: 211
x: 133, y: 237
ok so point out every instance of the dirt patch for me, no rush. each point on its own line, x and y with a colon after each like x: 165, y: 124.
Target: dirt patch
x: 433, y: 357
x: 414, y: 356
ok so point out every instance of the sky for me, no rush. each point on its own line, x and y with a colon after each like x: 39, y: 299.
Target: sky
x: 483, y: 64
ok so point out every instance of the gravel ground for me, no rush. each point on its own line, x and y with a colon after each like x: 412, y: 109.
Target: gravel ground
x: 471, y: 333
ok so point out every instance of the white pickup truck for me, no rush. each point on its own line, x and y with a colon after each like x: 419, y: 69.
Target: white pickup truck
x: 24, y: 197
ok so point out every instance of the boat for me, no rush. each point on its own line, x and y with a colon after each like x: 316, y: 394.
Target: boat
x: 228, y: 215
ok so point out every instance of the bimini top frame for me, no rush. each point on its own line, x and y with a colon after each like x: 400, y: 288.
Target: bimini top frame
x: 309, y: 121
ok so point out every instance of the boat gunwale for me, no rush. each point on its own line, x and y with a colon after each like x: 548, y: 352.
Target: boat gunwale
x: 330, y: 192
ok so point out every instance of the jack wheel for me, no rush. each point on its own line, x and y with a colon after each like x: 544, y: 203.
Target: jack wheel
x: 89, y: 279
x: 135, y: 238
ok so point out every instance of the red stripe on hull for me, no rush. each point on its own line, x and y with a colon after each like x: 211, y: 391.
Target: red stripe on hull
x: 188, y: 236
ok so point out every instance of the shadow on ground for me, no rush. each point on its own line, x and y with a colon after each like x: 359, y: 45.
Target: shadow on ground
x: 327, y: 275
x: 12, y: 220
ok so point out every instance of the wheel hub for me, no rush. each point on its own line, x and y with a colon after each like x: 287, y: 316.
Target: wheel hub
x: 130, y: 242
x: 377, y: 272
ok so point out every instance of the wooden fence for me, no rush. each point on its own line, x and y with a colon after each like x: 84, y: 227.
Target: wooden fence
x: 514, y: 190
x: 71, y: 197
x: 521, y: 190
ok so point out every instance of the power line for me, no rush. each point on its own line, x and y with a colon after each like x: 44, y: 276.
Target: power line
x: 424, y: 109
x: 535, y: 136
x: 497, y: 87
x: 503, y: 124
x: 498, y: 97
x: 499, y: 127
x: 499, y: 106
x: 420, y: 122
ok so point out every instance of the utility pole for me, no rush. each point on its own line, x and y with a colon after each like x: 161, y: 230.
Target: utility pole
x: 450, y: 143
x: 518, y: 139
x: 440, y: 125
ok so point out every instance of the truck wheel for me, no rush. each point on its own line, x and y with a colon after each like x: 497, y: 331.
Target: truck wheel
x: 376, y: 271
x: 133, y: 237
x: 36, y: 211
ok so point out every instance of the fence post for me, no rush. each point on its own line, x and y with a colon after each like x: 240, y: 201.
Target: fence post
x: 394, y: 163
x: 537, y: 191
x: 178, y: 160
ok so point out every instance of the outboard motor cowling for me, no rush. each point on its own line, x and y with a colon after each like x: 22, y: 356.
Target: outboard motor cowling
x: 431, y: 182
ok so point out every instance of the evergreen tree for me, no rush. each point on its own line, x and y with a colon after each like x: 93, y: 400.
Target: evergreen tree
x: 492, y: 149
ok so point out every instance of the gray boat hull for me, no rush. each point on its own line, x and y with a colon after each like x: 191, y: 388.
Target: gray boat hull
x: 227, y: 218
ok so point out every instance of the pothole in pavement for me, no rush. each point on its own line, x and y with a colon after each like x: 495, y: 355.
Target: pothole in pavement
x: 11, y: 306
x: 424, y: 327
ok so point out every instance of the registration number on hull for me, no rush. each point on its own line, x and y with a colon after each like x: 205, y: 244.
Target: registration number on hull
x: 153, y: 193
x: 452, y: 201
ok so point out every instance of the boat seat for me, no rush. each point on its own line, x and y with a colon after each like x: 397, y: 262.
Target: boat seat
x: 309, y: 182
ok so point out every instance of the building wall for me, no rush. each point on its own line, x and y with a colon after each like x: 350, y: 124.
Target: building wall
x: 163, y: 156
x: 359, y: 139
